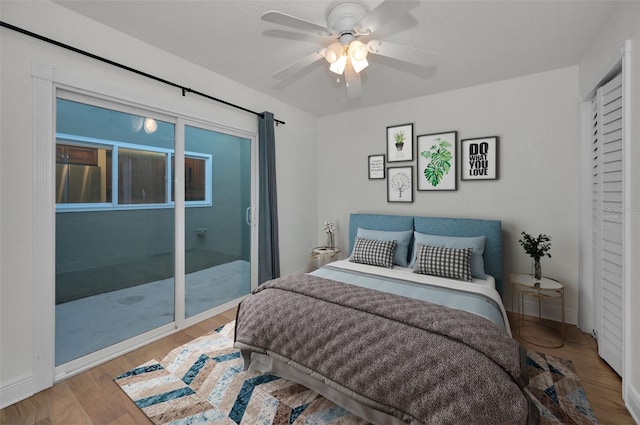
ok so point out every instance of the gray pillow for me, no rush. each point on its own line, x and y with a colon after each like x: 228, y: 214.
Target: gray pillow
x: 453, y: 263
x: 373, y: 252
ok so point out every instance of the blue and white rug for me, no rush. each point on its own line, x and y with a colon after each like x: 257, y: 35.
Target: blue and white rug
x: 202, y: 382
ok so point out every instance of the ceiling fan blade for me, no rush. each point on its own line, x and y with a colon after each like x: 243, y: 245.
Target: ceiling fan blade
x: 403, y: 53
x: 295, y: 22
x: 295, y: 35
x: 299, y: 65
x: 352, y: 82
x: 385, y: 12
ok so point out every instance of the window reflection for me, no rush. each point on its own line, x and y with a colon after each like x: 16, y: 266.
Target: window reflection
x: 142, y: 177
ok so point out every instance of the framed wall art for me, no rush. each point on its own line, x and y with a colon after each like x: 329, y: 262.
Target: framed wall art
x: 376, y: 167
x: 436, y: 169
x: 400, y: 143
x: 400, y: 184
x: 479, y: 158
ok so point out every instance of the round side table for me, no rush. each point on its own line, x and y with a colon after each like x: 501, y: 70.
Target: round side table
x: 543, y: 288
x: 323, y: 255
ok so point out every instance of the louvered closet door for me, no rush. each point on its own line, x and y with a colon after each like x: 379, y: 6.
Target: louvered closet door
x: 608, y: 237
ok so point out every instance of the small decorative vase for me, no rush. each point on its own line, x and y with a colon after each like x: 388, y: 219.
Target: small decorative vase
x: 537, y: 270
x: 331, y: 244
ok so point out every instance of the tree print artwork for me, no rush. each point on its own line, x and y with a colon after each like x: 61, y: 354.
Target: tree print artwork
x: 400, y: 183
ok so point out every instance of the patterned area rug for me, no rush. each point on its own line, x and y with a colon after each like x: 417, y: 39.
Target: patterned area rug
x: 202, y: 382
x: 555, y: 388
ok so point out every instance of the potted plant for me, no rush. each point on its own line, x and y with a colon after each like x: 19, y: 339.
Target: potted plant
x: 536, y: 248
x: 399, y: 137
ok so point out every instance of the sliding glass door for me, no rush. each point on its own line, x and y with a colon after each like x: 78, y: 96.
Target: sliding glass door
x: 217, y: 237
x: 116, y: 223
x: 114, y: 227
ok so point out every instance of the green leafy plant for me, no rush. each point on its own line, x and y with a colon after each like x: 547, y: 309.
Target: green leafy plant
x: 440, y: 161
x: 536, y: 247
x: 399, y: 136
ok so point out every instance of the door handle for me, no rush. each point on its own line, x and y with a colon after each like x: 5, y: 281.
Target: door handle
x: 247, y: 216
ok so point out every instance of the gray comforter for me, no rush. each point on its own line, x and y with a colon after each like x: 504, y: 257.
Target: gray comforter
x: 421, y: 362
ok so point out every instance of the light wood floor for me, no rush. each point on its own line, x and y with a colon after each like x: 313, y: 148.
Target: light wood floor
x: 602, y: 385
x: 93, y: 398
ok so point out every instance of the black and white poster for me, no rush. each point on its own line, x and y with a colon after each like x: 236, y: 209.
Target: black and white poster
x: 479, y: 159
x: 400, y: 184
x: 376, y: 167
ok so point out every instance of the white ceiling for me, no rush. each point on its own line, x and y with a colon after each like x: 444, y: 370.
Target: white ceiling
x: 477, y: 42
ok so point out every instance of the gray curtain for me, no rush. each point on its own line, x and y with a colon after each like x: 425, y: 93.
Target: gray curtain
x: 268, y: 250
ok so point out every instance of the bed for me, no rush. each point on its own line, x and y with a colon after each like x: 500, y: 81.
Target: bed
x: 410, y: 329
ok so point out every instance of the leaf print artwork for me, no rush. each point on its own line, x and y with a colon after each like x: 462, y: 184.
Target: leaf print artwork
x: 439, y: 157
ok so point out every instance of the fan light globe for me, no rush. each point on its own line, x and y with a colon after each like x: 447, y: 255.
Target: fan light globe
x: 359, y: 65
x: 333, y: 52
x: 339, y: 65
x: 358, y: 51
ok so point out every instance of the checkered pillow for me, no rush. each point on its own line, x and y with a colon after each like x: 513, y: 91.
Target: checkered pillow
x: 454, y: 263
x: 374, y: 252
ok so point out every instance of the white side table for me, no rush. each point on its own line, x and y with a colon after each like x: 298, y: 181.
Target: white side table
x: 323, y: 255
x: 543, y: 288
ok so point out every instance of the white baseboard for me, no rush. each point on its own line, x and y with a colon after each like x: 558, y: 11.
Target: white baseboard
x: 15, y: 390
x: 632, y: 401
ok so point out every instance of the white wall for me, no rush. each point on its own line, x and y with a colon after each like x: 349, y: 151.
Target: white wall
x: 535, y: 118
x: 605, y: 52
x: 296, y: 178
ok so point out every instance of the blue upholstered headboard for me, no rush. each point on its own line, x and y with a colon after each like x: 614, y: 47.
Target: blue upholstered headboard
x: 461, y: 227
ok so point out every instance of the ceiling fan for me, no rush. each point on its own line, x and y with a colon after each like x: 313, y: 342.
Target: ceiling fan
x: 350, y: 25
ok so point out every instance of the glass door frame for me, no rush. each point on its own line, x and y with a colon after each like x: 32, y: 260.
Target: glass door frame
x: 76, y: 365
x: 180, y: 286
x: 46, y: 82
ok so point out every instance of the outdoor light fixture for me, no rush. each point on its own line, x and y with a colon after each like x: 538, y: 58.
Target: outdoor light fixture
x: 150, y: 125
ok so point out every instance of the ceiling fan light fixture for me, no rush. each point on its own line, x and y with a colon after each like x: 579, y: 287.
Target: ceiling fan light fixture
x: 347, y: 21
x: 358, y: 51
x: 334, y: 52
x: 359, y: 65
x: 339, y: 65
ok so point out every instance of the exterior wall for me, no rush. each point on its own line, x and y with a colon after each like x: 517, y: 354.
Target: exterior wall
x: 133, y: 235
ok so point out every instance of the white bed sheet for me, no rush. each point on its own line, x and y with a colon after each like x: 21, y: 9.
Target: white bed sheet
x: 484, y: 287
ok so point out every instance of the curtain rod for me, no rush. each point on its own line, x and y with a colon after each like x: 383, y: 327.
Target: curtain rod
x: 185, y: 90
